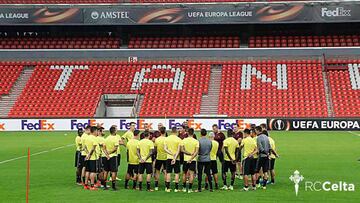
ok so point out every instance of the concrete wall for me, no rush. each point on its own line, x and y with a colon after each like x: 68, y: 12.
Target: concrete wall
x: 161, y: 54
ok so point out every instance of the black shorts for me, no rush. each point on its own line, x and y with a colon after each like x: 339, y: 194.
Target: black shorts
x: 229, y: 165
x: 104, y: 161
x: 82, y: 161
x: 98, y: 165
x: 181, y: 158
x: 77, y: 158
x: 272, y: 164
x: 111, y: 164
x: 220, y: 154
x: 213, y: 167
x: 248, y: 166
x: 175, y: 167
x: 262, y: 163
x: 159, y: 164
x: 118, y: 160
x: 189, y: 166
x: 91, y: 166
x: 133, y: 169
x: 239, y: 156
x: 145, y: 166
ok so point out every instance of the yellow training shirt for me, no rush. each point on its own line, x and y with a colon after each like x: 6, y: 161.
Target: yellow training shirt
x: 249, y: 145
x: 256, y: 155
x: 214, y: 149
x: 101, y: 142
x: 78, y: 143
x: 128, y: 135
x: 132, y: 149
x: 90, y: 142
x: 83, y: 138
x: 272, y: 145
x: 172, y: 142
x: 159, y: 143
x: 111, y: 142
x: 190, y: 144
x: 232, y: 145
x: 145, y: 146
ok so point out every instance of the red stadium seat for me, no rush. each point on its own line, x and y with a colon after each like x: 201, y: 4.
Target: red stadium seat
x: 305, y: 96
x: 59, y: 42
x: 345, y: 99
x: 81, y: 94
x: 9, y: 72
x: 304, y: 41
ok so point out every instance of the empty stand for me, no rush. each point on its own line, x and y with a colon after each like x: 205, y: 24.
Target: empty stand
x: 272, y: 88
x: 344, y: 82
x: 59, y: 43
x: 9, y: 72
x: 304, y: 41
x: 184, y: 42
x: 73, y: 89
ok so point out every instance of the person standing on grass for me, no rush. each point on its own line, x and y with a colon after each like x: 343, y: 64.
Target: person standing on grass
x: 273, y: 156
x: 78, y: 165
x: 231, y: 152
x: 250, y: 149
x: 145, y: 149
x: 91, y: 157
x: 133, y: 160
x: 123, y: 140
x: 102, y: 156
x: 238, y: 135
x: 219, y: 137
x: 204, y: 159
x: 161, y: 156
x: 172, y: 148
x: 84, y: 152
x: 213, y: 163
x: 264, y: 148
x: 155, y: 134
x: 111, y: 165
x: 256, y: 155
x: 190, y: 148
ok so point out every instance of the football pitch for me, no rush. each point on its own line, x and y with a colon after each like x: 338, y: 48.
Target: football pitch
x: 318, y: 156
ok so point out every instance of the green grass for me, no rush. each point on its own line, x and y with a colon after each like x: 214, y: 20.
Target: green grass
x: 319, y: 156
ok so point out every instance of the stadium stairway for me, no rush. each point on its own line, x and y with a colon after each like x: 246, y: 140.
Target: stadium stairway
x: 328, y: 96
x: 139, y: 104
x: 210, y: 101
x: 7, y: 101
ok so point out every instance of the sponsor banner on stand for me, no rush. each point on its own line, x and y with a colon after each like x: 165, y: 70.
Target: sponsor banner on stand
x: 314, y: 124
x: 180, y: 14
x: 43, y: 15
x: 121, y: 123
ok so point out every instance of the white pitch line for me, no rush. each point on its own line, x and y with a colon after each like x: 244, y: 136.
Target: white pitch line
x: 37, y: 153
x: 353, y: 133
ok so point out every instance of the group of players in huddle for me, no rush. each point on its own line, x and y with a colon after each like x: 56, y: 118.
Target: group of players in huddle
x: 250, y: 152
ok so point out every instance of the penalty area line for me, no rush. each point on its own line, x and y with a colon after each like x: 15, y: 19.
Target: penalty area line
x: 37, y: 153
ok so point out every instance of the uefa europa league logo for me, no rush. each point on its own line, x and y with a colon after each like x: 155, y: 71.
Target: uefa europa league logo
x: 296, y: 178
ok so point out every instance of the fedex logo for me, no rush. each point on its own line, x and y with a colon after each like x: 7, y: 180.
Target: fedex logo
x: 91, y: 122
x: 140, y: 124
x: 191, y: 123
x: 223, y: 125
x: 2, y: 126
x: 40, y: 125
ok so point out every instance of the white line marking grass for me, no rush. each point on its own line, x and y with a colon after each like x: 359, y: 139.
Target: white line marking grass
x: 37, y: 153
